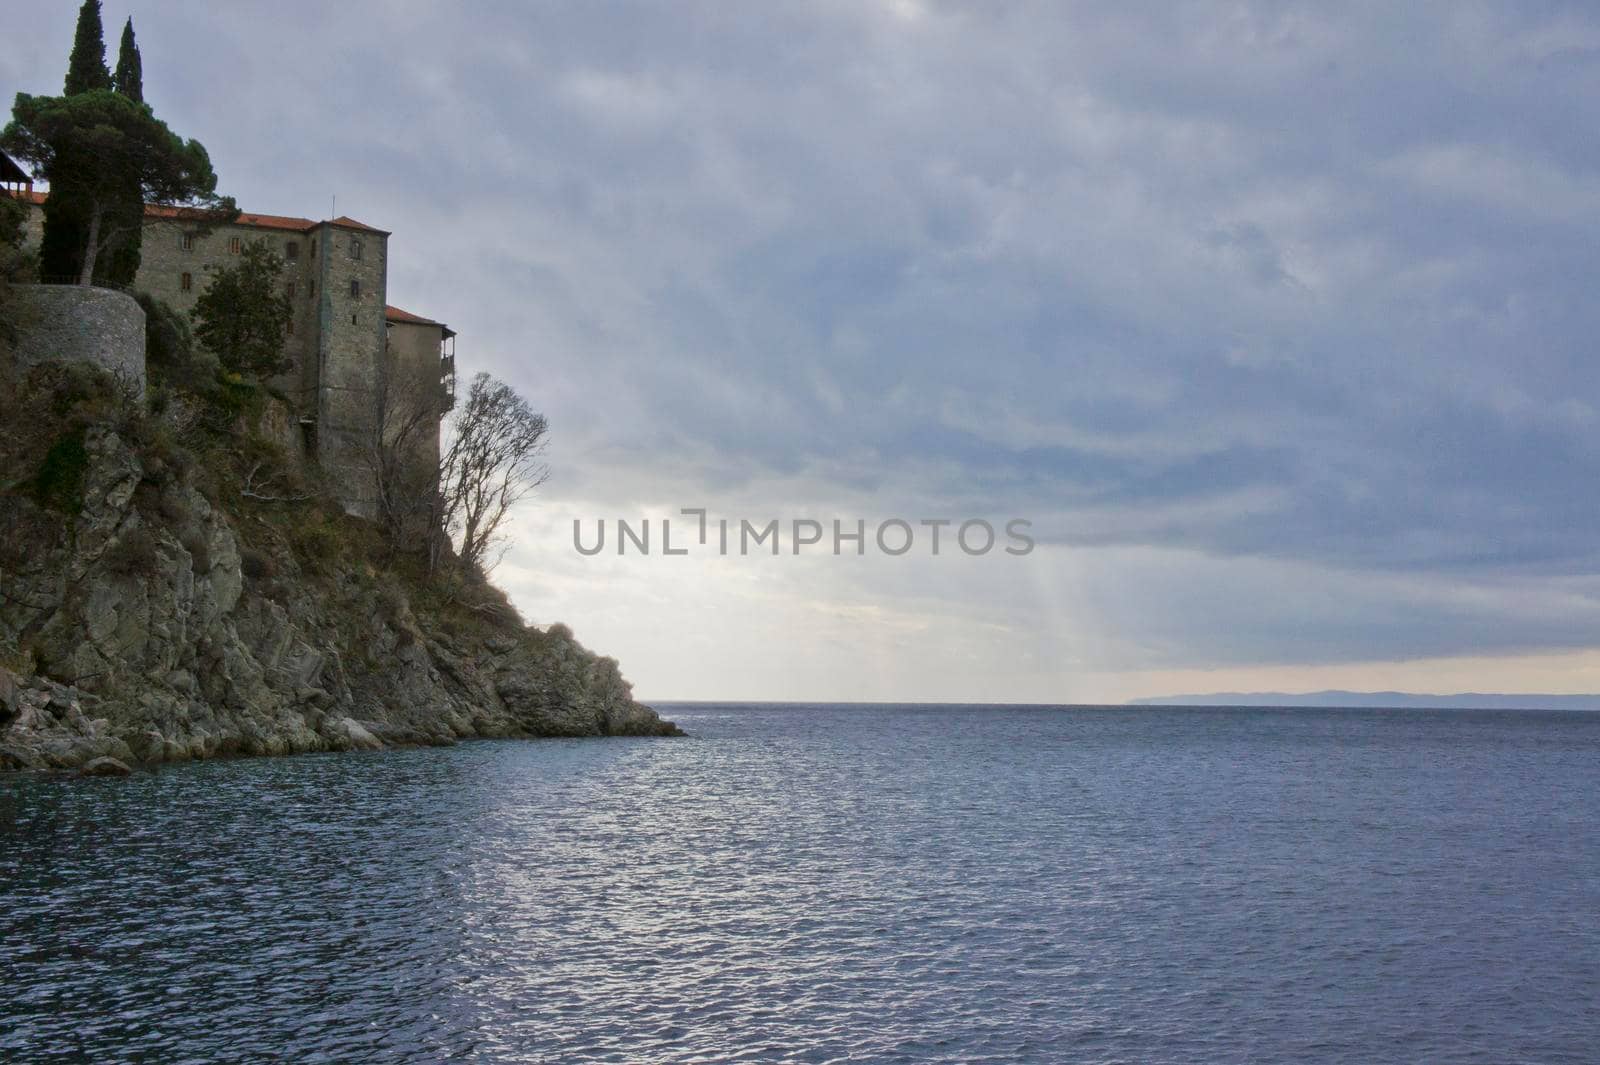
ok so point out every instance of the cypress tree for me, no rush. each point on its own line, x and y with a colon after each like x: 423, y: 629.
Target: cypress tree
x: 122, y: 264
x: 129, y: 78
x: 65, y: 215
x: 86, y: 70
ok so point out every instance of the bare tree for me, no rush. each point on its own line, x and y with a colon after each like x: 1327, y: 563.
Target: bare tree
x: 495, y: 459
x: 403, y: 455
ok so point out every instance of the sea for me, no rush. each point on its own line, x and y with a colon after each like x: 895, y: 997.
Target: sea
x: 803, y: 883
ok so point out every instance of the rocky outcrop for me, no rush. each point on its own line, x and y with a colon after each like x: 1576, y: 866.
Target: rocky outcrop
x: 151, y: 626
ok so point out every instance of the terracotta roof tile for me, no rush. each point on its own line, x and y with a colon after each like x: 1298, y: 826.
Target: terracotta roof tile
x: 395, y: 314
x: 259, y: 221
x: 346, y: 222
x: 246, y: 218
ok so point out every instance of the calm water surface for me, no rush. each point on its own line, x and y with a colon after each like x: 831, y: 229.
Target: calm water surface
x: 830, y: 884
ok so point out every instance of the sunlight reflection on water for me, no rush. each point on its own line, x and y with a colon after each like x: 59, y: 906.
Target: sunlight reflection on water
x: 831, y: 884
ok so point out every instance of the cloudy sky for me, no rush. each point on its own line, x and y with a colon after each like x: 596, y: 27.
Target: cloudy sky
x: 1278, y: 322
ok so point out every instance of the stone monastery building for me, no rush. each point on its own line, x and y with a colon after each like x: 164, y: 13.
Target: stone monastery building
x: 349, y: 347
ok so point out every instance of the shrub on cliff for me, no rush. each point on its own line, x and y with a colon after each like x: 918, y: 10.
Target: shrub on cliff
x: 15, y: 264
x: 256, y: 565
x: 171, y: 356
x: 58, y: 483
x: 13, y: 216
x: 44, y: 415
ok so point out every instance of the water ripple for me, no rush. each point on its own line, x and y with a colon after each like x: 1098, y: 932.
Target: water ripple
x: 829, y: 885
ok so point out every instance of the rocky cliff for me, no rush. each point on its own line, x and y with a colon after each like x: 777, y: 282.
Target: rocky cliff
x: 157, y: 605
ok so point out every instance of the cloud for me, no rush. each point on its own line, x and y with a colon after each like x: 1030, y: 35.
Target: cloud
x: 1243, y: 290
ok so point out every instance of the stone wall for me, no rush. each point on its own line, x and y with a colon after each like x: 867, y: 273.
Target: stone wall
x: 352, y: 334
x: 172, y: 249
x: 337, y: 336
x: 71, y: 322
x: 33, y: 229
x: 178, y: 258
x: 413, y: 373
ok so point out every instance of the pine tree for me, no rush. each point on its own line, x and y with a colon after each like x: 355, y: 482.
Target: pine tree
x: 111, y: 152
x: 61, y: 244
x: 129, y: 79
x: 86, y: 70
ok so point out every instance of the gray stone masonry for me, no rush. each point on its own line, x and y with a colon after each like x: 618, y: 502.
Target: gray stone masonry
x: 339, y: 337
x: 70, y: 322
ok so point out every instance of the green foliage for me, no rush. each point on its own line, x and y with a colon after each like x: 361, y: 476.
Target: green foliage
x: 168, y: 343
x: 118, y: 267
x: 170, y: 355
x: 316, y: 541
x: 243, y: 315
x: 86, y: 68
x: 83, y: 396
x: 122, y: 265
x: 61, y: 246
x: 13, y: 215
x: 239, y: 400
x: 187, y: 384
x: 65, y: 221
x: 129, y: 78
x: 163, y: 455
x: 59, y: 483
x: 15, y: 263
x: 45, y: 416
x: 76, y: 393
x: 105, y: 155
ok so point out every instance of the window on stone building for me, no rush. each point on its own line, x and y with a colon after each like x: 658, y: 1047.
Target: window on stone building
x: 355, y: 248
x: 290, y: 327
x: 352, y: 319
x: 233, y: 245
x: 355, y: 288
x: 290, y: 293
x: 312, y: 290
x: 186, y: 282
x: 313, y: 247
x: 291, y: 250
x: 187, y: 242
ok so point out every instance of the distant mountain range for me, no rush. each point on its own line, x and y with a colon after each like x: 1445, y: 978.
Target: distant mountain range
x: 1390, y: 700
